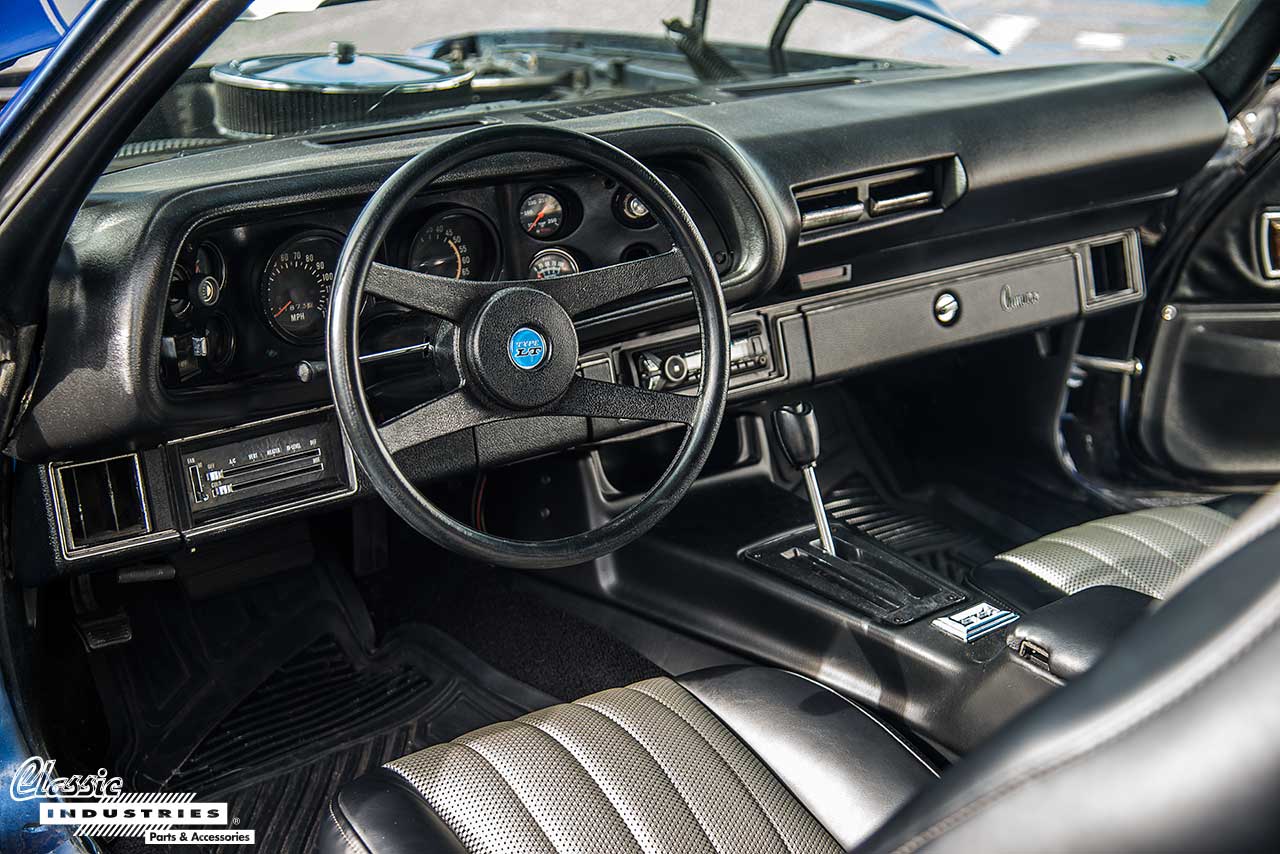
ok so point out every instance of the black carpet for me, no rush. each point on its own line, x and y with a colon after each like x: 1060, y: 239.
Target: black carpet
x: 498, y: 615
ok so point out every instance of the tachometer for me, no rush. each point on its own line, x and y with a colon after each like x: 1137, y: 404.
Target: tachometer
x: 454, y: 244
x: 295, y: 287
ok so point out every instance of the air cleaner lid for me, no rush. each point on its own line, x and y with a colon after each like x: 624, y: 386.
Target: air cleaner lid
x: 342, y: 70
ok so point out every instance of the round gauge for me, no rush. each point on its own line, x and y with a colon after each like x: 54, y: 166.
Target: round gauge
x: 550, y: 263
x: 456, y: 245
x: 541, y: 215
x: 209, y: 263
x: 295, y: 286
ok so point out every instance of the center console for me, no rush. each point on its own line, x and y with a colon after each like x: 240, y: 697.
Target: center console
x: 743, y: 565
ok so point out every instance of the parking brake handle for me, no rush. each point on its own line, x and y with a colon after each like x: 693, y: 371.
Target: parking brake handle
x: 796, y: 426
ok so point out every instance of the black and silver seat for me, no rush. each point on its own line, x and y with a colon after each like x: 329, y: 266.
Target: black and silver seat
x: 1166, y: 745
x: 1148, y: 551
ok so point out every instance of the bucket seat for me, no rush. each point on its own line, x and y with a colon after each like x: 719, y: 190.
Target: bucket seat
x: 1168, y: 744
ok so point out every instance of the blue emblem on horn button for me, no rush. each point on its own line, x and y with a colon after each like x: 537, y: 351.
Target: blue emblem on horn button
x: 527, y: 348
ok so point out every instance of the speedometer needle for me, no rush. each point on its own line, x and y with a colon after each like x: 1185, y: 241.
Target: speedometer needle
x: 283, y: 308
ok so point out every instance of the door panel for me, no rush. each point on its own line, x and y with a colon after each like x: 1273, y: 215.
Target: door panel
x: 1210, y: 398
x: 1212, y: 406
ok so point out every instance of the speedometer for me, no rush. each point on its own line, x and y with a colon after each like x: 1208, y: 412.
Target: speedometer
x: 295, y: 287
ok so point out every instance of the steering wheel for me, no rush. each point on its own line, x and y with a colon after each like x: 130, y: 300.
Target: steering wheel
x: 516, y: 347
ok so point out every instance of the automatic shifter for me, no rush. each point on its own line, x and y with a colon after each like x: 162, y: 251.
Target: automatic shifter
x: 797, y: 428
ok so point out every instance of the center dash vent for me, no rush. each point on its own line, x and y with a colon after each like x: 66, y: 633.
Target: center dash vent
x: 654, y: 100
x: 838, y: 207
x: 101, y: 502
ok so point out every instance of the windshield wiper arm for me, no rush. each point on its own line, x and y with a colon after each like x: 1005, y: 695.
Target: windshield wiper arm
x: 691, y: 39
x: 892, y: 10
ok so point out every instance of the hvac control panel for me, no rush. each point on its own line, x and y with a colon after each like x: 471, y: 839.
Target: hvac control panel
x: 260, y: 468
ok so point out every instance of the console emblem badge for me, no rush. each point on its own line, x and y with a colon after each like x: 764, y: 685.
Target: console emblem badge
x: 946, y: 308
x: 528, y: 348
x: 972, y: 623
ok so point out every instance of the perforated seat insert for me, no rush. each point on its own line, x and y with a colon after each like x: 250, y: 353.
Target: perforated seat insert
x: 641, y: 769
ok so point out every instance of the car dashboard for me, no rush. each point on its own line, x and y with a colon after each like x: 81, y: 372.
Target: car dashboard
x: 853, y: 222
x: 247, y: 296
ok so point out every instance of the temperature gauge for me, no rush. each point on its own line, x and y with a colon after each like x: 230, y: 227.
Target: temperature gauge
x: 542, y: 215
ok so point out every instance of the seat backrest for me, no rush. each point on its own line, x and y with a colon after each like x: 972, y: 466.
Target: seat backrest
x: 1171, y: 743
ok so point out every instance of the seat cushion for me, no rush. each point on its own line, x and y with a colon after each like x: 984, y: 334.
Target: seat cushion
x: 1146, y: 551
x: 646, y: 768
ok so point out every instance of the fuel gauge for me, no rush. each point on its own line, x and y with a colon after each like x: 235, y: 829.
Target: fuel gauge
x: 552, y: 263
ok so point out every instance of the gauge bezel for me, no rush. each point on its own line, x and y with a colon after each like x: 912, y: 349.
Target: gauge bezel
x: 570, y: 206
x: 217, y: 252
x: 556, y: 250
x: 430, y: 215
x: 264, y: 305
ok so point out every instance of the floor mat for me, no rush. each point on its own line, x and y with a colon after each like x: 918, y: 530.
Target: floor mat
x: 913, y: 530
x: 270, y: 697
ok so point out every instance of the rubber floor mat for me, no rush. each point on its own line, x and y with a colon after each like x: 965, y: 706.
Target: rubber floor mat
x: 913, y: 531
x: 270, y: 697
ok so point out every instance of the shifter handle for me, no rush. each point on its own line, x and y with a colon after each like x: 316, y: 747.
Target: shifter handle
x: 797, y: 427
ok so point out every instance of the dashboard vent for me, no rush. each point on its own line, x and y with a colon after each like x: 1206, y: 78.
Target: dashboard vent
x: 904, y: 190
x: 610, y: 106
x: 833, y: 208
x: 830, y: 205
x: 101, y: 502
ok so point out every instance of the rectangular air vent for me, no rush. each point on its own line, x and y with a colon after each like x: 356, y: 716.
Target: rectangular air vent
x: 836, y: 207
x: 902, y: 191
x: 1115, y: 272
x: 829, y: 205
x: 654, y: 100
x: 101, y: 502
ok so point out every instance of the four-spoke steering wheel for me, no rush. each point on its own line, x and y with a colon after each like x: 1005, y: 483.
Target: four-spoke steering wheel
x: 517, y: 348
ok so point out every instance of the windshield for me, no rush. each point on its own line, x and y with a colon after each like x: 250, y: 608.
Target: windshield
x: 302, y: 66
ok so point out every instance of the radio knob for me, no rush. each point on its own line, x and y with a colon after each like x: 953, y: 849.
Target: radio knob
x: 676, y: 369
x: 650, y: 372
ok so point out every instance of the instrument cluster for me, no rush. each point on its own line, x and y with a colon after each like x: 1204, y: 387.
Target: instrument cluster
x: 248, y: 302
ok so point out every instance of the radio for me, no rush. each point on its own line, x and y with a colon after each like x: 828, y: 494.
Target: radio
x: 679, y: 364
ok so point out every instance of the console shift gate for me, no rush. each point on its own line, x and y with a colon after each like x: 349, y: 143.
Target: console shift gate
x: 844, y: 565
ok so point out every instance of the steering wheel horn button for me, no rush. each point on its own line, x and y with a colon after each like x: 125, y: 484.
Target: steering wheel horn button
x: 528, y: 348
x: 523, y: 348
